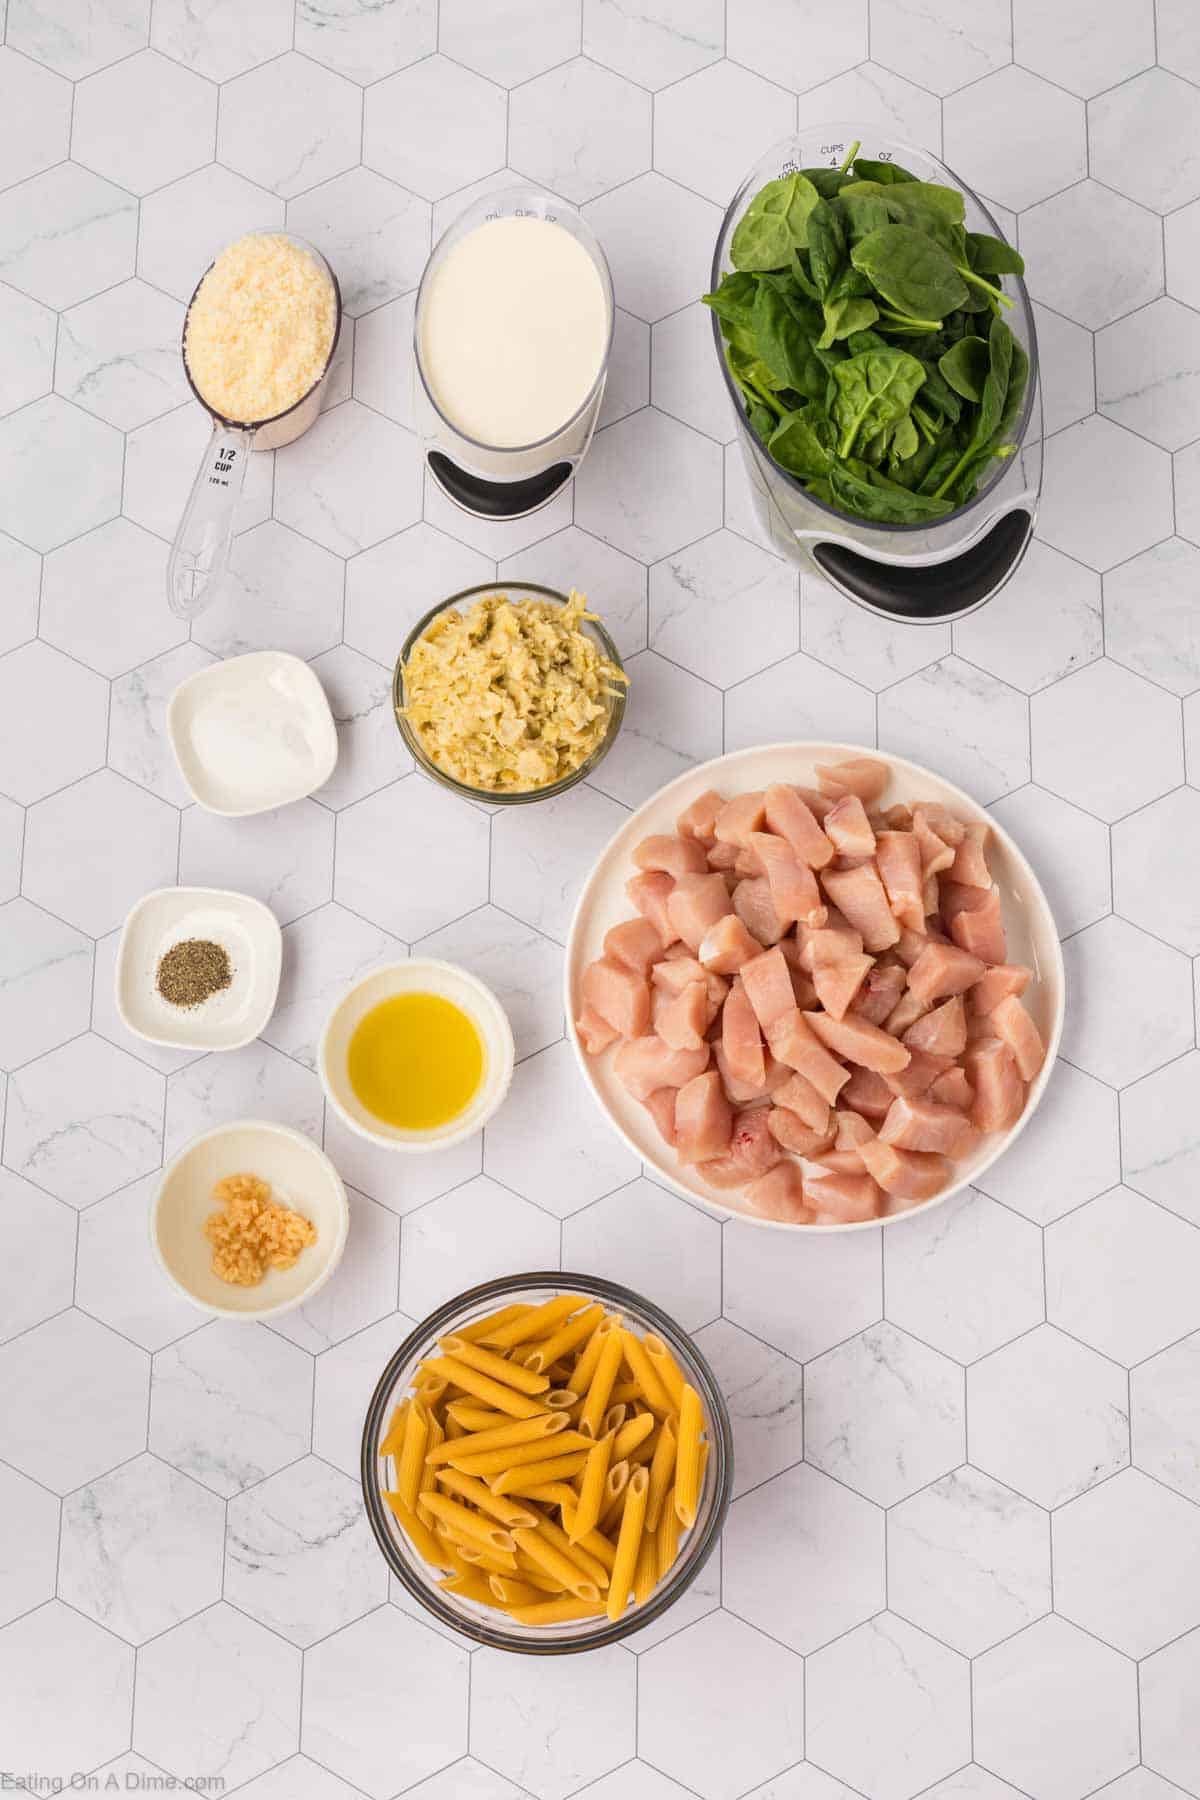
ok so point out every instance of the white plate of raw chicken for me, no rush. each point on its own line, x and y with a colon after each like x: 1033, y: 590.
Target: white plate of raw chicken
x: 899, y: 1112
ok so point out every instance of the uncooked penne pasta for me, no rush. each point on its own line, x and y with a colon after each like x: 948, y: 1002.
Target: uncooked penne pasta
x: 468, y: 1524
x: 662, y: 1473
x: 533, y: 1324
x: 543, y: 1355
x: 479, y: 1328
x: 687, y: 1457
x: 596, y: 1401
x: 469, y: 1487
x: 549, y: 1557
x: 629, y: 1544
x: 500, y: 1437
x: 394, y: 1436
x: 472, y: 1381
x: 632, y: 1433
x: 591, y: 1488
x: 643, y: 1372
x: 501, y: 1368
x: 555, y: 1468
x: 548, y: 1460
x: 412, y: 1454
x: 665, y: 1366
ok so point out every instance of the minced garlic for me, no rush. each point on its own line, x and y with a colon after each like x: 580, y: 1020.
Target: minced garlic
x: 259, y: 330
x: 512, y: 695
x: 253, y: 1232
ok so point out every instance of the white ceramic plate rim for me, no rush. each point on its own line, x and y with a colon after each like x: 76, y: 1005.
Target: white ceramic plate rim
x: 249, y: 1314
x: 496, y: 1083
x: 212, y: 676
x: 236, y: 902
x: 724, y: 772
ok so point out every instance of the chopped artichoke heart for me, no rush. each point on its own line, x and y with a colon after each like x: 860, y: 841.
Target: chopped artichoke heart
x: 512, y: 695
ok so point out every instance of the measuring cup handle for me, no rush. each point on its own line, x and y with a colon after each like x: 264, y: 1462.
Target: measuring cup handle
x: 200, y: 554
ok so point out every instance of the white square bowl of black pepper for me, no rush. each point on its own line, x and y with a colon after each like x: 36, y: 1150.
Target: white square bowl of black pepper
x: 198, y: 968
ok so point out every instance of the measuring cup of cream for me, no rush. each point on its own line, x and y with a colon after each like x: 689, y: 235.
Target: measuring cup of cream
x: 258, y: 342
x: 512, y: 335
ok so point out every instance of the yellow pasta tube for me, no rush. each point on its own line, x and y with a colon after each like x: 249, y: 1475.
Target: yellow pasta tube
x: 429, y: 1387
x: 632, y: 1433
x: 473, y: 1381
x: 556, y: 1612
x: 423, y: 1541
x: 589, y: 1356
x: 666, y: 1538
x: 687, y: 1457
x: 500, y: 1368
x: 546, y: 1352
x: 549, y: 1557
x: 643, y: 1372
x: 591, y: 1488
x: 394, y: 1436
x: 472, y: 1415
x: 500, y: 1437
x: 469, y: 1487
x: 511, y: 1591
x: 551, y: 1493
x: 525, y: 1475
x: 533, y: 1324
x: 469, y: 1587
x: 461, y: 1519
x: 493, y: 1321
x: 614, y: 1418
x: 595, y: 1404
x: 533, y: 1572
x: 645, y: 1573
x: 412, y: 1455
x: 629, y: 1544
x: 662, y: 1470
x: 428, y: 1471
x: 560, y: 1399
x: 595, y: 1567
x: 492, y: 1562
x: 665, y: 1367
x: 494, y: 1462
x: 614, y: 1493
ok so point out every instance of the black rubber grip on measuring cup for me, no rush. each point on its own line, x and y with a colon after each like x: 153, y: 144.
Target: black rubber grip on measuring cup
x: 933, y: 590
x: 498, y: 499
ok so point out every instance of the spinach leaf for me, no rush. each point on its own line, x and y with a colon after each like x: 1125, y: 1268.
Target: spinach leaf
x: 796, y: 445
x: 872, y: 390
x: 845, y: 316
x: 782, y: 341
x: 992, y: 256
x: 802, y: 277
x: 889, y: 504
x: 965, y: 367
x: 991, y: 405
x: 827, y: 182
x: 762, y: 421
x: 887, y: 174
x: 863, y: 213
x: 858, y: 341
x: 826, y: 245
x: 773, y: 224
x: 734, y: 299
x: 1011, y: 412
x: 914, y: 274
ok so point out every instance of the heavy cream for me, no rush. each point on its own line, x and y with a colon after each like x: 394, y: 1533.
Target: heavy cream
x: 513, y: 332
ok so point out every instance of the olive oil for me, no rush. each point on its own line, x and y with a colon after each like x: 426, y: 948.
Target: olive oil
x: 415, y: 1061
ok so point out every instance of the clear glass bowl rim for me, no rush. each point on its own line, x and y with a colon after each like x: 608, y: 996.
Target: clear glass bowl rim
x: 550, y: 1641
x: 488, y: 796
x: 260, y: 424
x: 788, y: 146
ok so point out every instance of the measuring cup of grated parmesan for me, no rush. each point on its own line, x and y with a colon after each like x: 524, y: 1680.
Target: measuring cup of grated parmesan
x: 258, y: 342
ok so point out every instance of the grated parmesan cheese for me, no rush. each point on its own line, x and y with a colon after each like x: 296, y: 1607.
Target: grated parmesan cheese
x: 259, y: 330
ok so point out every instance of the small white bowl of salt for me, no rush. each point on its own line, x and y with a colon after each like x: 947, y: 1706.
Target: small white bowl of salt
x: 252, y: 733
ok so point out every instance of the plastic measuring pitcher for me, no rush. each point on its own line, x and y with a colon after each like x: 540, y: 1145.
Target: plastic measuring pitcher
x: 199, y: 559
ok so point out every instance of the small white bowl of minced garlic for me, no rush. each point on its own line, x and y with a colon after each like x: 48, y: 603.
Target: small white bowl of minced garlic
x: 509, y: 692
x: 250, y: 1220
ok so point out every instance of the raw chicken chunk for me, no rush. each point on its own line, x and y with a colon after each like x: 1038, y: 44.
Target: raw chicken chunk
x: 741, y: 1040
x: 699, y: 819
x: 880, y: 993
x: 920, y: 1124
x: 943, y: 969
x: 860, y: 775
x: 789, y: 1130
x: 912, y: 1174
x: 790, y: 817
x: 858, y: 894
x: 703, y: 1119
x: 695, y: 905
x: 980, y: 928
x: 597, y: 1034
x: 942, y: 1032
x: 646, y: 1063
x: 649, y: 893
x: 752, y: 1151
x: 636, y: 943
x: 1014, y: 1027
x: 661, y: 1107
x: 767, y: 979
x: 739, y: 817
x: 681, y: 1019
x: 779, y: 1194
x: 997, y: 984
x: 861, y: 1042
x: 618, y: 995
x: 898, y: 857
x: 800, y: 1096
x: 741, y: 1093
x: 838, y: 971
x: 756, y: 909
x: 844, y: 1199
x: 794, y: 891
x: 727, y: 945
x: 991, y: 1069
x: 848, y: 828
x: 672, y: 855
x: 794, y: 1044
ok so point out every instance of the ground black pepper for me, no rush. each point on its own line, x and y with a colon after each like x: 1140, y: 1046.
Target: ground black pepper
x: 192, y: 972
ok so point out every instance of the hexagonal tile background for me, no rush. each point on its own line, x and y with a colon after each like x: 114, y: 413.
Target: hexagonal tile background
x: 924, y: 1427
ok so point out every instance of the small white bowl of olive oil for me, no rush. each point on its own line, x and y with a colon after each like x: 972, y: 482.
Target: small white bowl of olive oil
x: 416, y: 1055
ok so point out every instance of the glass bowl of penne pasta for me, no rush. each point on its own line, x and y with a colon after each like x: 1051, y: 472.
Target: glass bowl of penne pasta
x: 547, y: 1463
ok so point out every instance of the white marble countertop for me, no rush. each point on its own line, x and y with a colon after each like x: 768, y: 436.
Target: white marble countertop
x: 964, y: 1560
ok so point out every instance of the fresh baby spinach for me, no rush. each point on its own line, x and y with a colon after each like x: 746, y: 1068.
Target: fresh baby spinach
x: 861, y: 323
